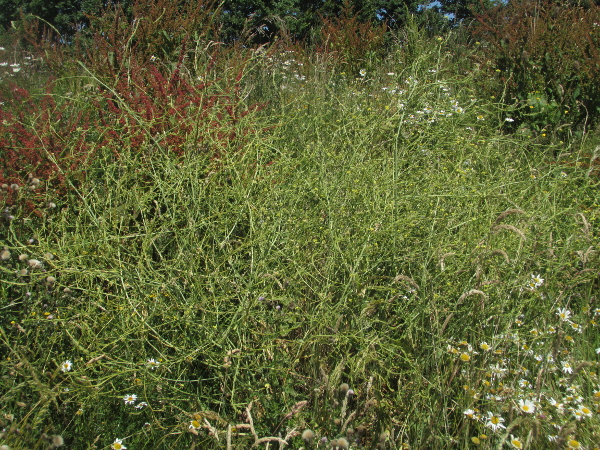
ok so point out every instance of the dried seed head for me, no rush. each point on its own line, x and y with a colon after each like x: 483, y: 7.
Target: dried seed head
x: 472, y: 292
x: 5, y: 255
x: 502, y: 253
x: 506, y: 213
x: 5, y: 186
x: 503, y: 226
x: 370, y: 403
x: 344, y: 388
x: 57, y: 441
x: 23, y: 257
x: 337, y: 422
x: 342, y: 443
x: 23, y: 272
x: 35, y: 264
x: 35, y: 182
x: 48, y: 256
x: 401, y: 277
x: 51, y: 205
x: 308, y: 435
x: 15, y: 187
x: 361, y: 429
x: 50, y: 281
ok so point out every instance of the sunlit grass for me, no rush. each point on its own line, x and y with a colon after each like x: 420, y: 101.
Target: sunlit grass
x: 379, y: 266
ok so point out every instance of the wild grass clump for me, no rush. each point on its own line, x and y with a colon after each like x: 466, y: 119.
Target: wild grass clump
x: 375, y: 263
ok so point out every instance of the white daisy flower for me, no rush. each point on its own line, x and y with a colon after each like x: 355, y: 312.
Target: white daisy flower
x: 130, y: 399
x: 66, y: 366
x: 537, y: 280
x: 152, y: 363
x: 469, y: 413
x: 494, y: 421
x: 527, y: 406
x: 485, y: 346
x: 118, y: 445
x: 563, y: 313
x: 566, y: 367
x: 584, y: 411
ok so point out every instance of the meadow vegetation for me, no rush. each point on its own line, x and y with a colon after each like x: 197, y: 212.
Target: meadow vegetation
x: 292, y: 246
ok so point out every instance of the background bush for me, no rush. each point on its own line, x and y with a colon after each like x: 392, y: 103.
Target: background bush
x: 544, y: 56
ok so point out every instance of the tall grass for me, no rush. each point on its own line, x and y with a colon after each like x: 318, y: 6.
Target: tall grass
x: 375, y: 262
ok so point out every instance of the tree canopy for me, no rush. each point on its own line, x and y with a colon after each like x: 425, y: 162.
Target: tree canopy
x: 237, y: 17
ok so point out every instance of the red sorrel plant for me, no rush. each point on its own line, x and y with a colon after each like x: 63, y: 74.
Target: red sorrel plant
x: 544, y: 54
x: 40, y: 139
x: 145, y: 108
x: 188, y: 98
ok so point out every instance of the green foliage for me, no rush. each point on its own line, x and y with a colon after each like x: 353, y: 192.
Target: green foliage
x: 66, y: 15
x: 466, y: 9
